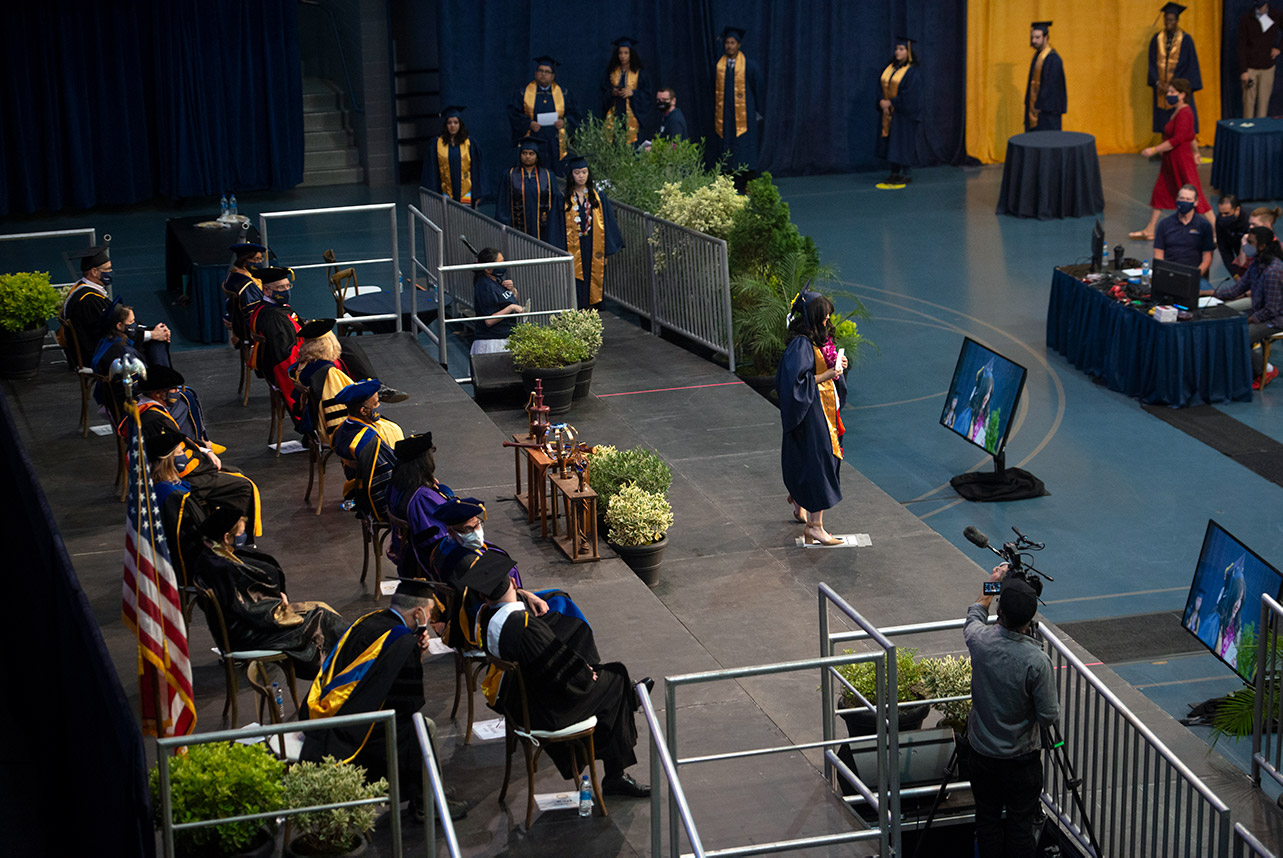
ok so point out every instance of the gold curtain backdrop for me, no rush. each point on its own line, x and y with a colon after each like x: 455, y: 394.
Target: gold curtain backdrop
x: 1105, y: 48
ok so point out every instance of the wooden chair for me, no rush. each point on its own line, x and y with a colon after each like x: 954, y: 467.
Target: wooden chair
x: 318, y: 450
x: 579, y: 736
x: 246, y: 350
x: 1265, y: 358
x: 276, y: 420
x: 468, y: 661
x: 254, y: 662
x: 85, y: 374
x: 343, y: 285
x: 374, y: 532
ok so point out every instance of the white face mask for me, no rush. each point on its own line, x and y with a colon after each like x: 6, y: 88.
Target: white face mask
x: 475, y: 539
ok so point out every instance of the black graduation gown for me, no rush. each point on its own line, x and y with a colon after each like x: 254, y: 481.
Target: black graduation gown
x: 431, y: 177
x: 641, y: 101
x: 548, y: 136
x: 182, y: 517
x: 248, y: 585
x: 811, y: 471
x: 84, y: 309
x: 278, y: 325
x: 531, y: 201
x: 1186, y: 67
x: 740, y: 151
x: 900, y: 146
x: 1052, y: 101
x: 612, y: 242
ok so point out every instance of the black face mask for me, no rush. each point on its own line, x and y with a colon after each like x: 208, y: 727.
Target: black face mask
x: 500, y: 273
x: 663, y: 105
x: 131, y: 329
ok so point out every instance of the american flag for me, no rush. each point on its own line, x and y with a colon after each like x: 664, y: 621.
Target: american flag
x: 152, y: 608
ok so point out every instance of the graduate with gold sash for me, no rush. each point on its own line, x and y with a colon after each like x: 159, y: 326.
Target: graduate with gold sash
x: 544, y: 97
x: 901, y: 107
x: 1045, y: 98
x: 737, y: 101
x: 452, y: 165
x: 1172, y: 55
x: 530, y: 196
x: 591, y: 232
x: 625, y: 89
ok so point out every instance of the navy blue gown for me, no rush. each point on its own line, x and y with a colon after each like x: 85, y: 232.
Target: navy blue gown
x: 900, y: 146
x: 741, y: 151
x: 588, y: 293
x: 531, y: 201
x: 548, y: 136
x: 1052, y: 101
x: 431, y: 178
x: 806, y: 454
x: 1186, y: 67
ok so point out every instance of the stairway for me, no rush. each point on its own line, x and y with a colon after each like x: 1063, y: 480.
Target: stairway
x: 330, y: 157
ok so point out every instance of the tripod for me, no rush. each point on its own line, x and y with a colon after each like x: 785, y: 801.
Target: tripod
x: 951, y: 770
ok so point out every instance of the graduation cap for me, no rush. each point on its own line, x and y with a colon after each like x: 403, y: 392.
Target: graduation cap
x: 574, y: 162
x: 907, y: 42
x: 413, y: 446
x: 160, y: 377
x: 358, y: 391
x: 546, y: 60
x: 247, y: 247
x: 163, y: 443
x: 1045, y: 26
x: 415, y: 588
x: 530, y: 143
x: 459, y: 510
x: 736, y: 33
x: 273, y: 275
x: 220, y: 522
x: 489, y: 576
x: 1173, y: 9
x: 625, y: 42
x: 92, y: 257
x: 453, y: 111
x: 316, y: 328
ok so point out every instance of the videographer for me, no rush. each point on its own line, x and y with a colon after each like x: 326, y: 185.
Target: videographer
x: 1012, y: 695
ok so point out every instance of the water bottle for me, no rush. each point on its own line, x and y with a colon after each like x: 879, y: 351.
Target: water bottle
x: 232, y: 205
x: 1144, y: 269
x: 222, y: 207
x: 585, y: 797
x: 348, y: 505
x: 1104, y: 255
x: 280, y: 701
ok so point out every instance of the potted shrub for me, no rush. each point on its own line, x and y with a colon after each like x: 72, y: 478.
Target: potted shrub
x: 638, y: 523
x: 342, y: 831
x: 541, y: 352
x: 27, y: 302
x: 862, y: 675
x: 219, y: 780
x: 585, y: 326
x: 612, y: 468
x: 949, y: 677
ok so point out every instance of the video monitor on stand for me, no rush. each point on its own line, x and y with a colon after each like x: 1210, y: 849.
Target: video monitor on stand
x: 1097, y: 247
x: 1176, y: 284
x: 979, y: 406
x: 1223, y: 608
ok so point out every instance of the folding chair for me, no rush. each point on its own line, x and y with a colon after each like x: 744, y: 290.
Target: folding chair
x: 253, y: 660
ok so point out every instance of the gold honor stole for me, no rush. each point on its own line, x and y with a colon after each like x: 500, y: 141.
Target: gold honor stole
x: 1035, y: 84
x: 596, y: 220
x: 628, y: 79
x: 1169, y: 53
x: 558, y: 103
x: 465, y: 170
x: 741, y: 101
x: 891, y: 77
x: 829, y: 400
x: 543, y: 202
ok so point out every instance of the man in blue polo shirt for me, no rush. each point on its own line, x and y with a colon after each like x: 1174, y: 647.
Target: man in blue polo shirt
x: 1184, y: 237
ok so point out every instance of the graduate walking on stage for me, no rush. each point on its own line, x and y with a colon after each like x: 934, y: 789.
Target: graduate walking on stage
x: 1045, y: 97
x: 901, y: 107
x: 591, y: 233
x: 529, y: 196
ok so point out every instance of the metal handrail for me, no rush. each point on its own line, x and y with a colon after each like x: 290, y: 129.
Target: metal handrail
x: 1247, y: 846
x: 661, y: 760
x: 58, y: 233
x: 434, y: 792
x: 1267, y: 753
x: 164, y: 746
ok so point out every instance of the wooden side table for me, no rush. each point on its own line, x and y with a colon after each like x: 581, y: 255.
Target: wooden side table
x: 579, y: 543
x: 535, y: 496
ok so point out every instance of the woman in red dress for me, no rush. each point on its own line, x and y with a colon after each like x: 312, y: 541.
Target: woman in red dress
x: 1179, y: 166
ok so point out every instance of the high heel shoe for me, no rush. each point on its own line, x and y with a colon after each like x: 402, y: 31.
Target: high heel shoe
x: 825, y: 539
x: 799, y: 514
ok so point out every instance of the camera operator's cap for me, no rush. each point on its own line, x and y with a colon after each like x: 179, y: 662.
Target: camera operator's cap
x: 1018, y: 602
x: 489, y: 577
x: 316, y: 328
x: 459, y: 510
x: 417, y: 588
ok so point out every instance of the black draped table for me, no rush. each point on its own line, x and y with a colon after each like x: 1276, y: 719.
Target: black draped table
x: 196, y: 261
x: 1247, y: 160
x: 1207, y: 359
x: 1051, y: 174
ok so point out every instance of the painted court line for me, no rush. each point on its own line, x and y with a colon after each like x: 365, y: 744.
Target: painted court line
x: 667, y: 389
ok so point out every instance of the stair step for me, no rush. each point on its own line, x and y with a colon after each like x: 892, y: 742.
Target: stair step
x: 317, y: 102
x: 329, y: 121
x: 314, y: 141
x: 344, y: 176
x: 315, y: 85
x: 332, y: 159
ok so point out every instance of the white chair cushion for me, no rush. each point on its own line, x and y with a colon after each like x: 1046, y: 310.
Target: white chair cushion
x: 586, y: 724
x: 246, y: 654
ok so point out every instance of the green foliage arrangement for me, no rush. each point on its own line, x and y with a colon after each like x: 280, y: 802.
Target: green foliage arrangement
x: 710, y: 209
x: 763, y: 233
x: 220, y: 780
x: 991, y: 429
x: 863, y: 676
x: 27, y: 301
x: 611, y: 469
x: 1235, y: 713
x: 583, y: 325
x: 331, y: 832
x: 543, y: 347
x: 949, y: 677
x: 638, y: 517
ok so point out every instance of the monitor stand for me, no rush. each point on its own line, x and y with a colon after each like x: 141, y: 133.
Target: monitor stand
x: 1000, y: 484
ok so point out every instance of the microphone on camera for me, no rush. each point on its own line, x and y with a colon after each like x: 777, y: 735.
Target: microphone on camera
x: 975, y: 537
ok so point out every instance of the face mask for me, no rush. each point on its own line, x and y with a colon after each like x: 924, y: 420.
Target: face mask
x: 281, y: 297
x: 1226, y: 218
x: 254, y: 266
x: 501, y: 273
x: 374, y: 415
x: 663, y: 105
x: 1171, y: 99
x: 131, y: 329
x: 171, y: 398
x: 1249, y: 250
x: 105, y: 277
x: 1184, y: 206
x: 476, y: 539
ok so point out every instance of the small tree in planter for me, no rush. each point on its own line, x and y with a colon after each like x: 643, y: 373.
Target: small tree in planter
x: 213, y: 781
x: 340, y: 831
x: 27, y: 302
x: 541, y: 352
x: 612, y: 468
x: 863, y: 676
x: 585, y: 326
x: 638, y: 523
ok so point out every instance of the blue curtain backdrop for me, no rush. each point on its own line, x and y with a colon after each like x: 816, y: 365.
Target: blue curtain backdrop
x: 1231, y: 88
x: 110, y: 104
x: 820, y: 64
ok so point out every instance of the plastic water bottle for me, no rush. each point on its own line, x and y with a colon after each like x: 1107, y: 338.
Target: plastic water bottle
x: 1144, y: 269
x: 280, y: 701
x: 1104, y: 255
x: 585, y: 797
x: 232, y: 205
x: 222, y: 207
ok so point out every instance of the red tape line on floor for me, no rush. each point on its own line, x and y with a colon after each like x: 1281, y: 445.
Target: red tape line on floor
x: 667, y: 389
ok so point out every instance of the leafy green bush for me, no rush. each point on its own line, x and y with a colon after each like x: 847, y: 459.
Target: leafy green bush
x: 220, y: 780
x: 949, y: 677
x: 331, y: 832
x: 763, y: 234
x: 863, y: 676
x: 709, y: 209
x: 610, y: 469
x: 583, y: 325
x: 638, y: 517
x: 27, y: 301
x: 542, y: 347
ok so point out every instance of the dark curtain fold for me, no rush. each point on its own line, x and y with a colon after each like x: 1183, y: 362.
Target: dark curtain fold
x: 111, y: 104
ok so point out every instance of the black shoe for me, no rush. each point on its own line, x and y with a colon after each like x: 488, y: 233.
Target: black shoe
x: 624, y: 785
x: 391, y: 394
x: 893, y: 179
x: 904, y: 180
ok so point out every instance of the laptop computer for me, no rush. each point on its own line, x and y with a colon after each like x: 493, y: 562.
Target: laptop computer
x: 1174, y: 283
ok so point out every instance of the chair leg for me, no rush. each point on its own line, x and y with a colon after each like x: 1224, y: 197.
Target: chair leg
x: 320, y: 479
x: 592, y: 771
x: 84, y: 407
x: 246, y: 374
x: 1265, y: 363
x: 311, y: 473
x: 460, y: 666
x: 233, y: 691
x: 288, y: 664
x: 508, y: 740
x: 530, y: 784
x: 365, y: 539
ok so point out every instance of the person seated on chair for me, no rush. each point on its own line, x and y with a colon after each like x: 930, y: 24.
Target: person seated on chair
x: 120, y: 340
x: 1231, y: 225
x: 250, y: 588
x: 493, y: 295
x: 165, y: 389
x: 275, y: 327
x: 1184, y: 237
x: 87, y: 310
x: 366, y: 444
x: 414, y: 497
x: 1264, y: 280
x: 377, y: 665
x: 181, y: 515
x: 243, y: 288
x: 326, y: 364
x: 563, y: 686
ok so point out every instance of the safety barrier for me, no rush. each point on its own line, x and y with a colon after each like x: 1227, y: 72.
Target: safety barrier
x: 662, y: 764
x: 1247, y: 846
x: 1267, y: 748
x: 434, y: 800
x: 164, y: 747
x: 394, y: 278
x: 88, y: 231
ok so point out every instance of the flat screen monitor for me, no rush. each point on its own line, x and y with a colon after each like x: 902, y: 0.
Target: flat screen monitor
x: 1174, y: 283
x: 1224, y: 603
x: 1097, y: 246
x: 983, y: 396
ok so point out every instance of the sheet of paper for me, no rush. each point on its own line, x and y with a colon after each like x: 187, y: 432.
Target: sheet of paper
x: 849, y: 540
x: 387, y: 588
x: 486, y: 731
x: 557, y: 800
x: 103, y: 430
x: 288, y: 447
x: 437, y: 647
x: 549, y: 118
x: 1209, y: 301
x: 1133, y: 272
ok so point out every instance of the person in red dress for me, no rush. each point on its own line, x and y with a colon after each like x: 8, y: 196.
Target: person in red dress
x: 1179, y: 165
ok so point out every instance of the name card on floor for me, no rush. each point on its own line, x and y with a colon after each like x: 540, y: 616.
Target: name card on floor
x: 557, y: 801
x: 436, y: 646
x: 387, y: 588
x: 102, y: 430
x: 486, y: 731
x: 288, y: 447
x: 849, y: 540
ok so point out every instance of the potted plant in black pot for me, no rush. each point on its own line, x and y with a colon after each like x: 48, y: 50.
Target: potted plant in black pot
x: 949, y: 677
x: 217, y: 780
x: 910, y: 686
x: 638, y: 523
x: 27, y: 302
x: 553, y: 356
x: 611, y: 469
x: 342, y: 831
x: 585, y: 326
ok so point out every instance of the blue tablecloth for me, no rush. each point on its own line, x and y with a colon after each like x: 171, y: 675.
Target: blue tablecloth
x: 1247, y: 160
x: 196, y: 263
x: 1178, y: 364
x: 1051, y: 174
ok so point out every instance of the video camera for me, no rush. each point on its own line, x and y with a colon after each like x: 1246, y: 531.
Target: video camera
x: 1014, y: 555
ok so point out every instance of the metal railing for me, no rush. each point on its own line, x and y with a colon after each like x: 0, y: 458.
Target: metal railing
x: 164, y: 747
x: 58, y: 233
x: 676, y: 277
x: 662, y: 764
x: 434, y: 800
x: 1247, y: 846
x: 394, y: 274
x: 1267, y: 748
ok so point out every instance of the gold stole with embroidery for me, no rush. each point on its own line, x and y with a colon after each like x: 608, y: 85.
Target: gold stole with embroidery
x: 465, y: 170
x: 891, y: 77
x: 558, y: 104
x: 597, y: 222
x: 630, y: 81
x: 1035, y: 84
x: 741, y: 100
x: 829, y: 400
x: 1168, y: 54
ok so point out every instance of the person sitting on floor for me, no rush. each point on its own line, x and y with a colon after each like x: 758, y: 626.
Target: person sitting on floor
x: 366, y: 444
x: 1264, y: 280
x: 181, y: 515
x: 250, y: 588
x: 563, y: 685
